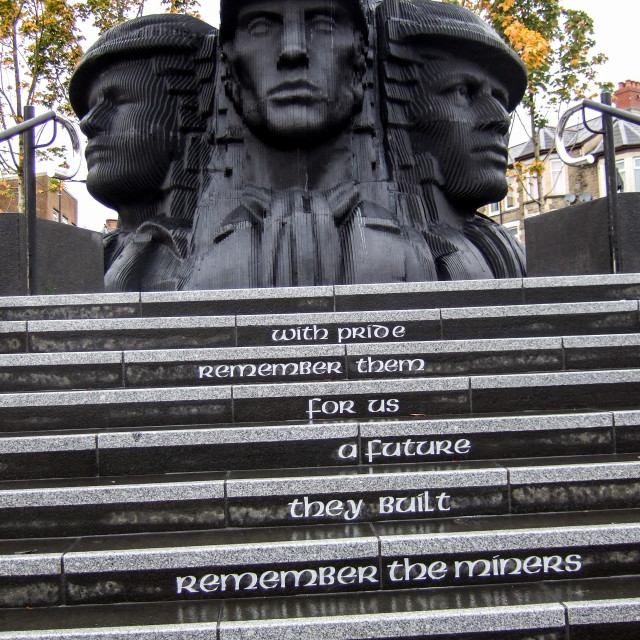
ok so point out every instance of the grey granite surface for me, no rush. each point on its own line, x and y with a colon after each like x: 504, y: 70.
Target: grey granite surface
x: 556, y: 309
x: 119, y: 396
x: 109, y: 494
x: 76, y: 299
x: 588, y: 472
x: 354, y: 481
x: 129, y: 324
x: 31, y: 564
x: 603, y: 611
x: 490, y: 541
x: 555, y: 379
x: 43, y: 444
x: 405, y: 624
x: 486, y: 425
x: 226, y: 435
x: 626, y: 418
x: 242, y: 553
x: 235, y: 294
x: 455, y: 346
x: 340, y: 318
x: 580, y: 281
x: 427, y: 287
x: 602, y: 341
x: 60, y: 359
x: 233, y: 353
x: 356, y: 387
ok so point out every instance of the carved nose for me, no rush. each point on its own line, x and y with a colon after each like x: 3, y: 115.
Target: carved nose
x: 90, y: 124
x: 294, y: 47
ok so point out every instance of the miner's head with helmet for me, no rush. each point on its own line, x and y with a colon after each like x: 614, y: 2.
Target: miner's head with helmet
x: 468, y: 82
x: 130, y: 91
x: 295, y: 66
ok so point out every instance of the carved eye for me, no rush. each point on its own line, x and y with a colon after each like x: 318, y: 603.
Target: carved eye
x: 323, y: 23
x: 460, y: 92
x: 260, y: 26
x: 501, y: 97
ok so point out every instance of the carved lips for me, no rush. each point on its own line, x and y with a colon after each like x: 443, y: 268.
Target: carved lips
x: 296, y: 91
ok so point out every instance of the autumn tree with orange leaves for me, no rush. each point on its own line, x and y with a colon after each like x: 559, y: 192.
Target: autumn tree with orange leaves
x: 557, y: 46
x: 40, y: 45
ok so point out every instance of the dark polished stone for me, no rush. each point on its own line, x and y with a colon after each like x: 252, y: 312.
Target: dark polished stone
x: 58, y: 456
x: 540, y: 320
x: 556, y: 391
x: 622, y: 286
x: 232, y: 563
x: 428, y: 295
x: 238, y: 301
x: 121, y: 408
x: 36, y: 372
x: 30, y: 572
x: 365, y: 494
x: 143, y: 504
x: 341, y: 400
x: 602, y: 352
x: 245, y: 365
x: 340, y: 328
x: 114, y: 305
x: 131, y: 333
x: 450, y: 358
x: 251, y: 447
x: 13, y: 337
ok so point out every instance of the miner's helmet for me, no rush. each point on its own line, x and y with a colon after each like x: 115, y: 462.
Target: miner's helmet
x: 229, y: 14
x: 458, y: 31
x: 141, y: 37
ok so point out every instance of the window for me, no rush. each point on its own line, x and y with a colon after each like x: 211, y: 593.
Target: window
x: 511, y: 201
x: 558, y: 183
x: 55, y: 216
x: 514, y: 229
x: 65, y: 219
x: 532, y: 186
x: 494, y: 208
x: 636, y: 174
x: 622, y: 175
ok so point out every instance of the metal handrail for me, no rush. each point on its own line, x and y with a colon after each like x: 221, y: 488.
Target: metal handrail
x: 608, y: 114
x: 586, y: 104
x: 26, y: 129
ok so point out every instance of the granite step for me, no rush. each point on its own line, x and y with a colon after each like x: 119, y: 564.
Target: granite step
x: 419, y: 295
x: 179, y: 502
x: 321, y: 401
x: 251, y: 365
x: 356, y: 327
x: 580, y: 609
x: 305, y: 560
x: 89, y: 453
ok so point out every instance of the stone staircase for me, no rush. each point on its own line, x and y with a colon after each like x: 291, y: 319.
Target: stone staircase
x: 448, y: 460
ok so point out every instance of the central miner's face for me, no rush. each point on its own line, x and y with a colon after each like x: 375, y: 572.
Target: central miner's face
x: 130, y: 131
x: 461, y: 118
x: 293, y: 66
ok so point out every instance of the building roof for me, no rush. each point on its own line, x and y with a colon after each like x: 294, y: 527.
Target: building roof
x: 626, y: 134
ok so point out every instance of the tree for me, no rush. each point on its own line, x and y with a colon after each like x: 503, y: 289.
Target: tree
x: 557, y: 45
x: 39, y: 48
x: 103, y: 14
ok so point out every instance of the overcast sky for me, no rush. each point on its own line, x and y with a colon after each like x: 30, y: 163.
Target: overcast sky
x: 616, y: 32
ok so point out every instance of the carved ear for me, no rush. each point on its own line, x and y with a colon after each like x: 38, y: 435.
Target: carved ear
x: 359, y: 71
x: 231, y: 84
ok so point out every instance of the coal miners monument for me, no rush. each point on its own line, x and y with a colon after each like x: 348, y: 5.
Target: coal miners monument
x: 319, y: 397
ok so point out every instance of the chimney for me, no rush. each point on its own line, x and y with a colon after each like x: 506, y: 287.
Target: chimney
x: 627, y: 95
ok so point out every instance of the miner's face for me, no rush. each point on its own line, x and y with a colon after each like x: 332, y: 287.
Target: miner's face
x: 293, y: 66
x: 461, y: 118
x: 130, y: 128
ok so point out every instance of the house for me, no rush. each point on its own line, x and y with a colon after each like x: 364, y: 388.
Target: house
x: 563, y: 185
x: 57, y: 204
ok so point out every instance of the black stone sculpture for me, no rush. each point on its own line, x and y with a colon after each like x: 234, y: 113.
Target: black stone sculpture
x: 143, y: 93
x: 320, y: 142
